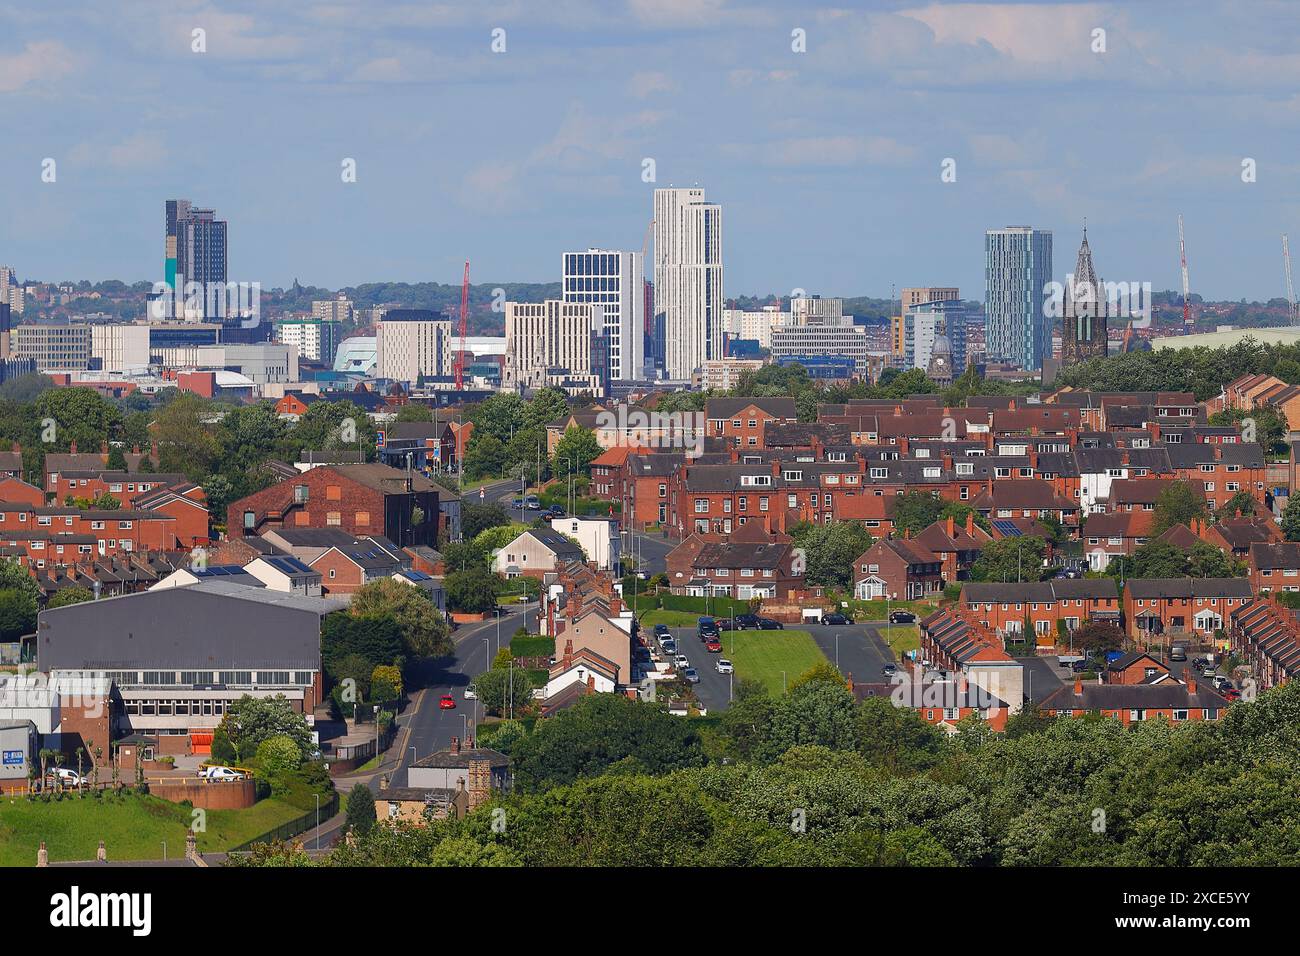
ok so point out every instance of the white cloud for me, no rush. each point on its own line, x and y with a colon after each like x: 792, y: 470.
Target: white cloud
x: 139, y: 151
x: 41, y: 60
x: 647, y: 84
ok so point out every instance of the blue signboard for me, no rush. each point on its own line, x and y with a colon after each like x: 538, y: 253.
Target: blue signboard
x: 13, y: 758
x: 379, y: 438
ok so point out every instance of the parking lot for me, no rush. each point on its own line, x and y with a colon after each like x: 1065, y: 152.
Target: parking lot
x: 860, y: 651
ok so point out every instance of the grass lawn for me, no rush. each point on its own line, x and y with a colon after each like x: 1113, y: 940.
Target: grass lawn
x: 671, y: 618
x: 763, y: 655
x: 133, y: 827
x: 901, y: 637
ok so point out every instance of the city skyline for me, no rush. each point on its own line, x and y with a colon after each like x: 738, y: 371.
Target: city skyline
x: 833, y: 136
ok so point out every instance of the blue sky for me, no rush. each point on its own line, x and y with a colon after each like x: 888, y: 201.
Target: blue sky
x: 827, y: 162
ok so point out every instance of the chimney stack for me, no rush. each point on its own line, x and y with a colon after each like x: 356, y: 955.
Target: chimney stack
x: 952, y: 527
x: 1078, y: 687
x: 970, y: 523
x: 480, y: 783
x: 455, y: 745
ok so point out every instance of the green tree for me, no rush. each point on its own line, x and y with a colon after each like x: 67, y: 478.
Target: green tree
x: 1011, y: 559
x: 485, y: 457
x: 1291, y: 518
x: 817, y: 713
x: 73, y: 595
x: 385, y: 683
x: 424, y: 632
x: 251, y: 720
x: 830, y: 550
x: 504, y: 690
x: 472, y: 591
x: 17, y: 614
x: 914, y: 511
x: 278, y: 756
x: 1179, y: 503
x: 575, y: 452
x: 597, y: 732
x: 476, y: 518
x: 361, y: 810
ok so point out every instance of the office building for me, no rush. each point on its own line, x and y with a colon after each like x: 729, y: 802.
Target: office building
x: 358, y: 354
x: 63, y: 346
x: 410, y: 343
x: 1084, y: 311
x: 814, y: 310
x: 120, y: 347
x: 337, y: 309
x: 688, y: 279
x: 724, y: 374
x: 264, y: 363
x: 925, y: 323
x: 316, y: 339
x: 615, y: 281
x: 755, y: 326
x: 551, y: 341
x: 796, y: 342
x: 915, y: 296
x: 1017, y: 270
x: 195, y: 253
x: 11, y: 290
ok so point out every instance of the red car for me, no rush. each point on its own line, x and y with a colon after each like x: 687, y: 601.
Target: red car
x: 1230, y: 694
x: 713, y: 645
x: 448, y: 702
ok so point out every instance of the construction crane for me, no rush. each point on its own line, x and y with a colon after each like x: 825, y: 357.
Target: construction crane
x: 1290, y: 289
x: 1182, y: 255
x: 464, y: 328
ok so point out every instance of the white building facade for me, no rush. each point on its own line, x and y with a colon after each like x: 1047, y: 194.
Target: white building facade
x: 688, y: 279
x: 615, y: 281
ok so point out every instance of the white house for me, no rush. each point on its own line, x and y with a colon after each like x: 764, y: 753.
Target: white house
x: 282, y: 572
x: 584, y: 667
x: 598, y: 537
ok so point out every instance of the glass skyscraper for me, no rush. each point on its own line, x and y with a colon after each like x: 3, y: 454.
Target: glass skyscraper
x: 1018, y: 325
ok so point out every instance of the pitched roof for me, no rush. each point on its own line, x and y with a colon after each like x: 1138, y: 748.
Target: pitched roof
x: 1146, y: 588
x: 778, y: 407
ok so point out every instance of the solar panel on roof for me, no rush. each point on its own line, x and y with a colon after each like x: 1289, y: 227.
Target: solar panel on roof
x: 1006, y: 528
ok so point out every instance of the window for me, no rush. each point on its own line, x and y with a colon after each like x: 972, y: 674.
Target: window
x: 762, y: 503
x: 333, y: 518
x: 663, y: 490
x: 701, y: 506
x: 362, y: 518
x: 300, y: 494
x: 332, y: 493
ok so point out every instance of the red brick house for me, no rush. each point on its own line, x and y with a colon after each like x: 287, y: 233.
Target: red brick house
x: 1275, y: 566
x: 742, y: 420
x: 1267, y: 636
x: 898, y: 568
x: 360, y: 499
x: 956, y: 546
x: 1160, y: 611
x: 1043, y: 606
x: 1133, y: 703
x: 1136, y: 667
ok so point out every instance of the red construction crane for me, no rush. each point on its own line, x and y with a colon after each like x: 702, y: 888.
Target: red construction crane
x: 464, y: 329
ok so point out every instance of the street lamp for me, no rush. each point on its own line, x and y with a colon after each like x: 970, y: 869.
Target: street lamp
x: 376, y: 732
x: 317, y: 820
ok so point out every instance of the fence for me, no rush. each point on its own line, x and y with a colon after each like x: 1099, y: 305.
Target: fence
x: 292, y: 828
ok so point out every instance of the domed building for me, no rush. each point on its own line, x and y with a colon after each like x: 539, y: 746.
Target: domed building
x: 940, y: 368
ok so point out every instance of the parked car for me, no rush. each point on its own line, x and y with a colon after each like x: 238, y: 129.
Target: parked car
x: 835, y: 617
x: 447, y: 702
x: 767, y: 624
x: 723, y: 666
x: 517, y: 504
x: 691, y: 676
x: 725, y: 624
x: 662, y: 631
x: 219, y: 773
x: 1178, y: 652
x: 1080, y: 666
x: 1220, y: 682
x: 64, y: 776
x: 1230, y: 694
x: 470, y: 693
x: 532, y: 503
x: 889, y: 670
x: 746, y: 621
x: 706, y: 624
x: 713, y: 645
x: 902, y: 617
x: 668, y: 646
x: 556, y: 511
x: 681, y: 662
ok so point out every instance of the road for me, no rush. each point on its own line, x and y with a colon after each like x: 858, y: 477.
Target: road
x: 429, y: 728
x: 862, y: 654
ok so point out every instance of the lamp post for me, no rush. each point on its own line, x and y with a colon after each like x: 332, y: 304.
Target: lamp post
x: 317, y: 820
x: 376, y: 732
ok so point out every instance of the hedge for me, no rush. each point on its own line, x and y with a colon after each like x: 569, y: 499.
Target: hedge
x: 533, y: 645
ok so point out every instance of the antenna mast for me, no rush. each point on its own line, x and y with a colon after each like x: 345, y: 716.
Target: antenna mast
x: 1182, y: 255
